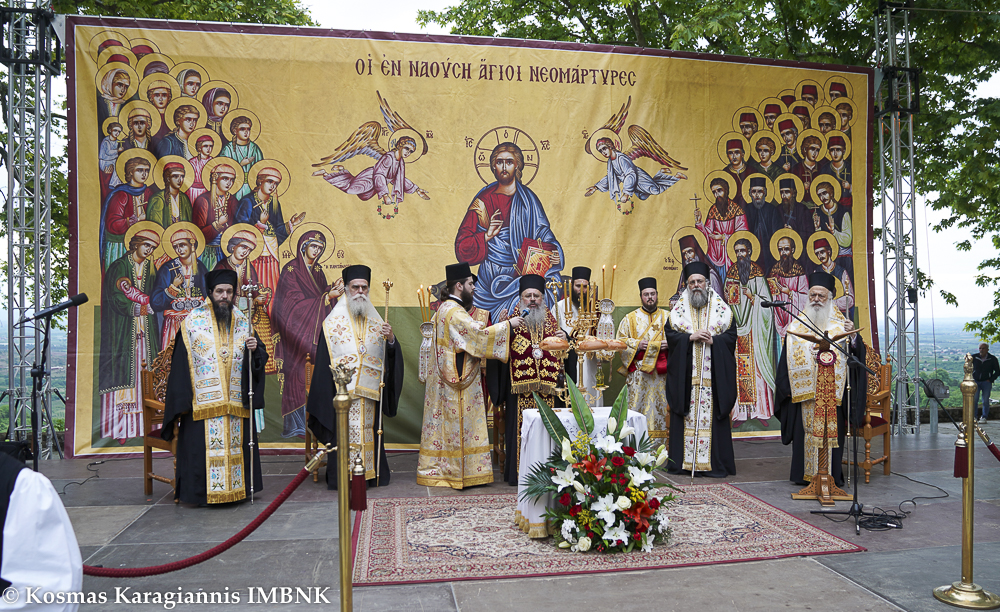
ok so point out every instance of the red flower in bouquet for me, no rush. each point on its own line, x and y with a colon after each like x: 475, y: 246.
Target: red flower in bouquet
x: 575, y: 510
x: 639, y: 512
x: 617, y: 461
x: 592, y: 466
x: 654, y: 504
x: 565, y: 499
x: 628, y: 450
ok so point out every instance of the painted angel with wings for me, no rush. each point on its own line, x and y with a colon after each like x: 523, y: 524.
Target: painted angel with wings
x: 387, y: 178
x: 625, y: 179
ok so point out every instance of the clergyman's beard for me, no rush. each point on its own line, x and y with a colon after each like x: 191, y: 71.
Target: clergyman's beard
x: 223, y: 314
x: 758, y: 204
x: 576, y: 298
x: 358, y: 305
x: 535, y: 316
x: 467, y: 295
x: 820, y: 314
x: 723, y: 205
x: 652, y: 307
x: 743, y: 269
x: 699, y: 298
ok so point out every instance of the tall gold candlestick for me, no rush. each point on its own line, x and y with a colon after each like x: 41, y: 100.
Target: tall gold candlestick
x: 602, y: 275
x: 611, y: 292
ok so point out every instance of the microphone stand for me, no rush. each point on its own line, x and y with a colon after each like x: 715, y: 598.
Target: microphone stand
x: 38, y: 373
x: 857, y: 508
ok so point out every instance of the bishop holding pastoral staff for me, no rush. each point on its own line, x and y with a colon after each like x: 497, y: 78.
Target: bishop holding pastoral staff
x: 208, y: 394
x: 805, y: 421
x: 644, y: 361
x: 530, y: 368
x: 355, y: 334
x: 454, y: 441
x: 701, y: 378
x: 579, y: 367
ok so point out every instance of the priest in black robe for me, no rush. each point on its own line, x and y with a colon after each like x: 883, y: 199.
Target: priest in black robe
x: 222, y: 412
x: 701, y: 336
x: 821, y: 313
x: 538, y: 372
x: 355, y: 334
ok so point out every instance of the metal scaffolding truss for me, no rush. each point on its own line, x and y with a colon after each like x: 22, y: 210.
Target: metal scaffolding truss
x: 31, y: 54
x: 898, y: 99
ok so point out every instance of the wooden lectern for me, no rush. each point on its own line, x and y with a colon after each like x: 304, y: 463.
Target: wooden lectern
x: 822, y: 487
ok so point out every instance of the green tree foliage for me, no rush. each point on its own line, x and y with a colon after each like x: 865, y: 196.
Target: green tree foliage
x: 955, y: 42
x: 287, y: 12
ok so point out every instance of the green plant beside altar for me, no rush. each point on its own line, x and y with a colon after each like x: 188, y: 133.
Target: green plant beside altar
x: 605, y: 487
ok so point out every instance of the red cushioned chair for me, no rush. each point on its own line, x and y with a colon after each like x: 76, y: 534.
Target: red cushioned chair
x: 877, y: 414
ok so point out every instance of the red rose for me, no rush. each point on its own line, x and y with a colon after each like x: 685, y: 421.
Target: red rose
x: 617, y: 461
x: 590, y: 534
x: 565, y: 499
x: 628, y: 450
x: 637, y: 537
x: 575, y: 510
x: 654, y: 503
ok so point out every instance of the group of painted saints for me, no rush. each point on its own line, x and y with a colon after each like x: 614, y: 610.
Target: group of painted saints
x: 186, y: 190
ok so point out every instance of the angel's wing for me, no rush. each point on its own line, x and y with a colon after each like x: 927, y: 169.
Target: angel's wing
x: 364, y: 140
x: 393, y: 121
x: 643, y: 145
x: 616, y: 121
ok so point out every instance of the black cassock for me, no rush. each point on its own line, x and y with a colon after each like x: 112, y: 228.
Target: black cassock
x: 790, y: 414
x: 723, y: 398
x: 323, y: 418
x: 191, y: 470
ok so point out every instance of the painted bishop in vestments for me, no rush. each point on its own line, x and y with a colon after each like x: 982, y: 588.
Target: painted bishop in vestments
x: 787, y: 282
x: 746, y: 288
x: 454, y: 441
x: 579, y: 368
x: 531, y: 370
x: 208, y: 395
x: 355, y: 334
x: 701, y: 379
x: 644, y: 361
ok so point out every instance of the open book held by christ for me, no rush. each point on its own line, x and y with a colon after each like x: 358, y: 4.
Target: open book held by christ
x: 533, y: 257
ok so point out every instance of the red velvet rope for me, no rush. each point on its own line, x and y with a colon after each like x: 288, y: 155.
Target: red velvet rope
x: 135, y: 572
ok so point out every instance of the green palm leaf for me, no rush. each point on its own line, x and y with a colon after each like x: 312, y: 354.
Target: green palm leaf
x: 581, y: 411
x: 552, y: 423
x: 620, y: 412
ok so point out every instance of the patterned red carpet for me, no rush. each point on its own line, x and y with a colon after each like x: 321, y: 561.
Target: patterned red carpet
x: 473, y: 537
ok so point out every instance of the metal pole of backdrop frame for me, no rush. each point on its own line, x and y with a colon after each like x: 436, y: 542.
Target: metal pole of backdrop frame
x: 898, y: 100
x: 32, y: 54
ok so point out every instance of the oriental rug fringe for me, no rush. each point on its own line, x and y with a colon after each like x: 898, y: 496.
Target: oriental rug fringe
x: 473, y: 537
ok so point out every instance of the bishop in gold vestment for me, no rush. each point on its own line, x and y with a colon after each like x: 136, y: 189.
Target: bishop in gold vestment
x: 207, y: 395
x: 454, y: 441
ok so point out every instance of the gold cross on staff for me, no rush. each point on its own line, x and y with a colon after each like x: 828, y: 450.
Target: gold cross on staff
x: 695, y: 199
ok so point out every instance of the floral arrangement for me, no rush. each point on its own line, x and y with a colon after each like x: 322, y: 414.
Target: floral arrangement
x: 607, y: 496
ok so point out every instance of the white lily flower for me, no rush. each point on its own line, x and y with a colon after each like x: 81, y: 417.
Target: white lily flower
x: 638, y: 475
x: 564, y: 478
x: 567, y: 450
x: 564, y: 544
x: 644, y: 459
x: 623, y: 502
x: 568, y: 528
x: 616, y: 533
x: 612, y: 424
x: 579, y: 486
x: 626, y: 431
x: 647, y: 546
x: 661, y: 458
x: 660, y: 449
x: 608, y: 444
x: 605, y: 509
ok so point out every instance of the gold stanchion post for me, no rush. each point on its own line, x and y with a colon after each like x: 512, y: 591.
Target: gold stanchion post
x: 342, y: 376
x: 967, y: 594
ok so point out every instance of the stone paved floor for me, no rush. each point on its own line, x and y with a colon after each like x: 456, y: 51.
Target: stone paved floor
x: 297, y: 547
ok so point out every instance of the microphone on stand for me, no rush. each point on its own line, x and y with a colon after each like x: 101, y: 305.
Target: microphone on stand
x: 76, y: 300
x: 769, y: 304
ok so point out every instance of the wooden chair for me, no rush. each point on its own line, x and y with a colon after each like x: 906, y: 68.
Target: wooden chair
x: 877, y: 414
x: 312, y: 444
x: 154, y: 392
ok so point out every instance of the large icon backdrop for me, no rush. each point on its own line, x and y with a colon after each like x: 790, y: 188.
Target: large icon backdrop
x: 286, y: 154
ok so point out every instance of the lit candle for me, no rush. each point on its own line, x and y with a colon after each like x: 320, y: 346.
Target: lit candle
x: 586, y: 295
x: 420, y: 300
x: 602, y: 275
x: 611, y: 293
